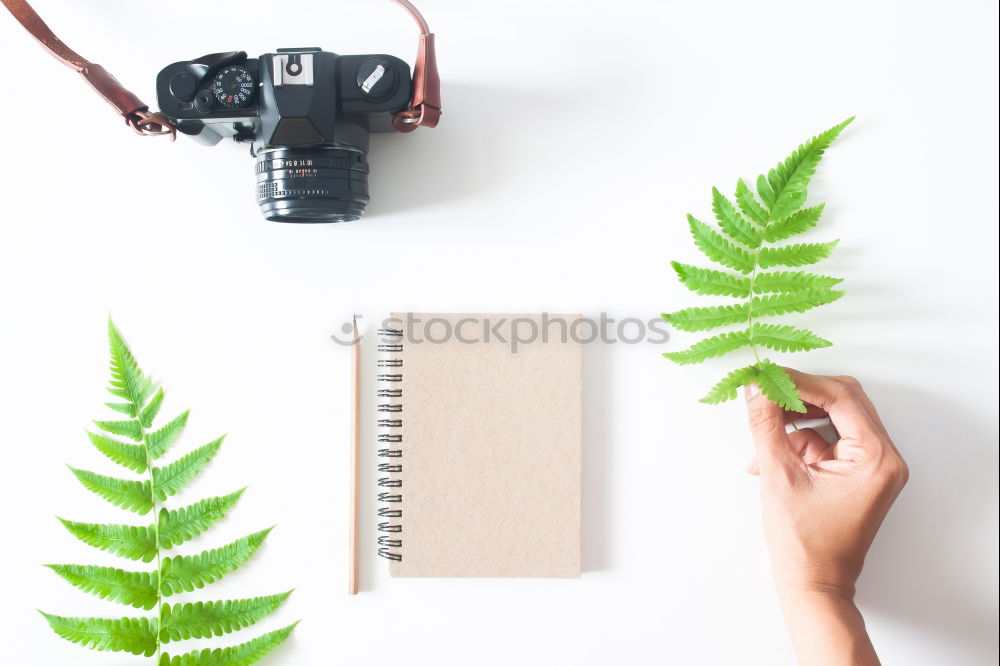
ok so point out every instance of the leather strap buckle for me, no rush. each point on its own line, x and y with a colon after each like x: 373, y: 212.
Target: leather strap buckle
x: 151, y: 124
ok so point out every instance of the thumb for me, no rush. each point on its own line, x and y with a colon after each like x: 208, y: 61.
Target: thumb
x: 767, y: 425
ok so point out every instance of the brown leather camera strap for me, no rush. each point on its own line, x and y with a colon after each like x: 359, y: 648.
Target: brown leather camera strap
x: 425, y: 106
x: 130, y: 107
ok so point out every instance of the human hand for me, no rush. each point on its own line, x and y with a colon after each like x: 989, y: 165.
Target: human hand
x: 822, y: 506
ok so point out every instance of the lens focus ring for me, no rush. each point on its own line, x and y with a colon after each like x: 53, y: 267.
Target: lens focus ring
x: 323, y: 184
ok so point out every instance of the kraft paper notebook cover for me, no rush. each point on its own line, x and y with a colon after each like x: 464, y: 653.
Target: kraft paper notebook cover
x: 479, y: 446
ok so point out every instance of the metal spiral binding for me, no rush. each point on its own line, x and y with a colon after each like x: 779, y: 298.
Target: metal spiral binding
x: 389, y: 542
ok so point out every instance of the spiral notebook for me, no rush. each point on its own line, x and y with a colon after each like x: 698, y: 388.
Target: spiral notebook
x: 479, y: 444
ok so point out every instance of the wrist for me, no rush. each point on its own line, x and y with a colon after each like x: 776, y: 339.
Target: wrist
x: 826, y: 626
x: 815, y: 580
x: 806, y: 591
x: 816, y: 605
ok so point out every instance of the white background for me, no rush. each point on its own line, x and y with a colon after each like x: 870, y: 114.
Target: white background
x: 576, y: 136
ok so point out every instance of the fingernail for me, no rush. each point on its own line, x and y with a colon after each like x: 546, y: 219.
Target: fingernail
x: 751, y: 390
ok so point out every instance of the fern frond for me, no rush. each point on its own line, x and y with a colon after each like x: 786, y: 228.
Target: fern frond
x: 129, y: 634
x: 718, y: 248
x: 127, y: 380
x: 130, y: 428
x: 150, y: 411
x: 215, y: 618
x: 132, y: 456
x: 784, y: 190
x: 779, y: 388
x: 135, y: 543
x: 727, y: 387
x: 132, y: 588
x: 710, y: 347
x: 160, y: 440
x: 196, y: 571
x: 243, y: 654
x: 748, y: 226
x: 799, y: 254
x: 137, y: 400
x: 132, y: 495
x: 786, y: 281
x: 796, y: 223
x: 186, y: 523
x: 796, y: 301
x: 710, y: 282
x: 785, y: 338
x: 734, y: 224
x: 167, y: 481
x: 707, y: 318
x: 749, y: 204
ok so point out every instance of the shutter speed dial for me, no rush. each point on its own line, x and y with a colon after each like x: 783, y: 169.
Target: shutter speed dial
x: 234, y: 87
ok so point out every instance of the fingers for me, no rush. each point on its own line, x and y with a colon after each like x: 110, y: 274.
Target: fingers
x: 843, y: 399
x: 808, y: 444
x: 863, y: 436
x: 767, y: 425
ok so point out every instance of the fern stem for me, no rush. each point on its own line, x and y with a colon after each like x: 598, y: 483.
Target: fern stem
x: 753, y: 279
x: 156, y: 533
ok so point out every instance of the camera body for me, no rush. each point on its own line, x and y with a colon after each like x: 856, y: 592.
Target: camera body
x: 307, y: 114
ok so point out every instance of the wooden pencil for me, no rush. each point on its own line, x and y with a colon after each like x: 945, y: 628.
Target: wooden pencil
x: 355, y: 517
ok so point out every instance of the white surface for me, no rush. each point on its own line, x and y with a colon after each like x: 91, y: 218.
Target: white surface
x: 575, y: 137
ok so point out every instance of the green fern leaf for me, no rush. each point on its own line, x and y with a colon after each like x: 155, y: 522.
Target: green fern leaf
x: 796, y: 223
x: 749, y: 204
x: 786, y: 281
x: 167, y: 481
x: 779, y: 388
x: 717, y: 248
x: 799, y: 254
x: 796, y: 301
x: 727, y: 387
x: 135, y: 543
x: 132, y: 456
x: 765, y: 192
x: 131, y: 495
x: 127, y: 380
x: 130, y: 429
x: 710, y: 347
x: 186, y: 573
x: 707, y: 318
x: 126, y: 408
x: 160, y: 440
x: 152, y: 409
x: 734, y: 224
x: 788, y: 181
x: 133, y: 588
x: 786, y: 338
x: 243, y: 654
x: 711, y: 282
x: 129, y: 634
x: 186, y: 523
x: 215, y: 618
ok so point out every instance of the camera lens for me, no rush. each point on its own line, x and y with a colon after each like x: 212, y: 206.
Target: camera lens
x: 323, y: 184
